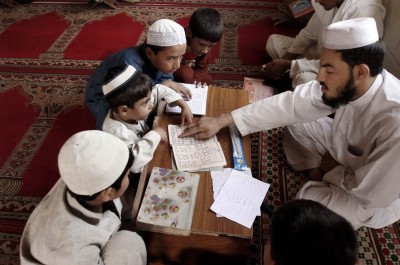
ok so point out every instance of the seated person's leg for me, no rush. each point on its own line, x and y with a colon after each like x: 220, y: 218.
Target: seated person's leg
x: 123, y: 248
x: 277, y: 45
x: 304, y: 145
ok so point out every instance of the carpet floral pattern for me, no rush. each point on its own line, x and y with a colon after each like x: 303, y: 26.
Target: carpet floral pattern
x: 47, y: 52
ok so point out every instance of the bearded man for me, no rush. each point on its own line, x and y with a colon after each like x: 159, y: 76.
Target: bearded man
x: 351, y: 159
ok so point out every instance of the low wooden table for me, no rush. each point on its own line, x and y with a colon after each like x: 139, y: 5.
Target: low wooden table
x: 211, y: 237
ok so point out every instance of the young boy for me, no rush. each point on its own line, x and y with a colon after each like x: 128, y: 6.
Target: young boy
x: 305, y: 232
x: 204, y: 31
x: 131, y: 99
x: 78, y: 221
x: 158, y: 58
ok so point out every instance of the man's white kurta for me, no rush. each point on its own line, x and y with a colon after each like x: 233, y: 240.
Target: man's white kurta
x: 364, y: 138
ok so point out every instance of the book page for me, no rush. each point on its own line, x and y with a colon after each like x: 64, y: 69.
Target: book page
x: 198, y: 102
x: 240, y: 198
x: 219, y: 178
x: 198, y: 156
x: 191, y: 154
x: 175, y: 130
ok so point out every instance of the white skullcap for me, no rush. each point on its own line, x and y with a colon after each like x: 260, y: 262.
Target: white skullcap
x: 91, y: 161
x: 121, y: 79
x: 166, y: 32
x: 350, y: 34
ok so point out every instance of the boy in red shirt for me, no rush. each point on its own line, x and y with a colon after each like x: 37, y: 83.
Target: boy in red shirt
x: 204, y: 31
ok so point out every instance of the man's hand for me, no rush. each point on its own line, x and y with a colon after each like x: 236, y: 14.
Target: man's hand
x: 179, y: 88
x: 275, y: 69
x: 328, y: 162
x: 207, y: 127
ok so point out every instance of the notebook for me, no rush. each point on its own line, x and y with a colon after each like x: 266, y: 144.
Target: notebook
x: 168, y: 202
x: 300, y: 8
x: 198, y: 102
x: 190, y: 154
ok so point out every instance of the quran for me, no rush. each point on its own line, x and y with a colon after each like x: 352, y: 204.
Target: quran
x: 198, y: 102
x: 168, y: 202
x: 190, y: 154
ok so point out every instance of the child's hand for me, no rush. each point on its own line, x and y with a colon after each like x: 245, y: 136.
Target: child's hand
x: 186, y: 114
x: 179, y: 88
x: 190, y: 63
x: 162, y: 133
x: 200, y: 84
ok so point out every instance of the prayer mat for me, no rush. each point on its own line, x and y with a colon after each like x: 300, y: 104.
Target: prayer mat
x: 48, y: 49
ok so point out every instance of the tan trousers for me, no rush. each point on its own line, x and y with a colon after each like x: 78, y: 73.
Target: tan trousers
x: 301, y: 71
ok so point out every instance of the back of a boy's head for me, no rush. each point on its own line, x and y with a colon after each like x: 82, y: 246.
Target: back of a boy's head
x: 305, y: 232
x: 124, y: 85
x: 91, y: 161
x: 207, y: 24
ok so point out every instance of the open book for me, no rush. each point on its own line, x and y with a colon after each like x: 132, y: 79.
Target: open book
x: 198, y: 102
x: 168, y: 202
x: 191, y: 154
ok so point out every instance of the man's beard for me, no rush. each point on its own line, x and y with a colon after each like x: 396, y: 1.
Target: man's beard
x: 345, y: 96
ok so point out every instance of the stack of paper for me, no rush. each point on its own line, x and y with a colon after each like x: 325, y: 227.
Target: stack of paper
x: 238, y: 196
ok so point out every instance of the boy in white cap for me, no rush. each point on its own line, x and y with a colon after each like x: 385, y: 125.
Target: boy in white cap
x: 352, y: 158
x: 131, y: 98
x: 158, y: 58
x: 301, y: 54
x: 78, y: 222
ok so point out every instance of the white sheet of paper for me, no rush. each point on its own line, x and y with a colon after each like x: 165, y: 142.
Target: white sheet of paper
x: 240, y: 198
x: 219, y: 178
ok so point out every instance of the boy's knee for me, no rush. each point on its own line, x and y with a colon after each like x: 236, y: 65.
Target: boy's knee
x: 125, y: 247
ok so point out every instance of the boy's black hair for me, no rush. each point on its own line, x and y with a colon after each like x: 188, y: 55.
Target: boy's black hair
x: 305, y: 232
x: 116, y: 185
x: 372, y: 55
x: 155, y: 48
x: 206, y: 23
x: 129, y: 93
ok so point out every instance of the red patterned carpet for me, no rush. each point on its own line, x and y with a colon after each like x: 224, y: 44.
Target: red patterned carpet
x: 48, y: 50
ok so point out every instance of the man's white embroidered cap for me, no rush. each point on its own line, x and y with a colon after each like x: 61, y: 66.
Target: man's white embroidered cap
x: 350, y: 34
x: 91, y: 161
x: 166, y: 32
x: 122, y: 78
